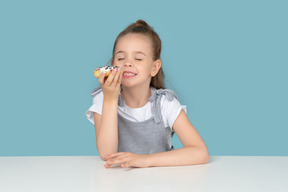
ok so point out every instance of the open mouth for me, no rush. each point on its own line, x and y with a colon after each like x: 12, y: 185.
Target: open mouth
x: 129, y: 74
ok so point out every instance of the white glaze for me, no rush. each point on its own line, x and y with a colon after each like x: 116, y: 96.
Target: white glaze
x: 106, y: 68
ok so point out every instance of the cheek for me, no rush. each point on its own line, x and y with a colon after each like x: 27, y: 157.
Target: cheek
x: 117, y: 63
x: 145, y: 70
x: 120, y: 65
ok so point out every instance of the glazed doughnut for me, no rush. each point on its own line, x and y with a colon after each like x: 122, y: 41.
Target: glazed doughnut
x: 106, y: 69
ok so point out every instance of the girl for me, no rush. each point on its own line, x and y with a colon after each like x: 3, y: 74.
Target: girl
x: 134, y: 116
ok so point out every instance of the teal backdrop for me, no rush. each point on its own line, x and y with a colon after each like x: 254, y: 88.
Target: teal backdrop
x: 226, y: 60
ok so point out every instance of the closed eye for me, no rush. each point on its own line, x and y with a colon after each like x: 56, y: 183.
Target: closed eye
x: 139, y: 59
x: 119, y: 59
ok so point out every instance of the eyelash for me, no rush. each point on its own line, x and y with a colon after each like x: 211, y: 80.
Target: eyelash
x: 123, y: 59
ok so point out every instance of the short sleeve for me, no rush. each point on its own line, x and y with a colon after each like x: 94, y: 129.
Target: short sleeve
x: 96, y: 107
x: 171, y: 110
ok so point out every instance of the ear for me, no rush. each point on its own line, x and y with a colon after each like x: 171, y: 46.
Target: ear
x: 155, y: 68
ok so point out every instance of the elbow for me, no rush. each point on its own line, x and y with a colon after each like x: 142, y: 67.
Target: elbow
x: 103, y: 157
x: 205, y: 156
x: 202, y: 156
x: 103, y: 154
x: 206, y: 159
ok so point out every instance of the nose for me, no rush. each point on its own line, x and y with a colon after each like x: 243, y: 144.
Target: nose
x: 128, y: 64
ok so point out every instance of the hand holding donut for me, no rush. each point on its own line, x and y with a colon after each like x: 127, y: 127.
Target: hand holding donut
x: 110, y: 78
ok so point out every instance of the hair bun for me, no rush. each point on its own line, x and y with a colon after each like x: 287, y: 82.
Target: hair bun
x: 141, y: 23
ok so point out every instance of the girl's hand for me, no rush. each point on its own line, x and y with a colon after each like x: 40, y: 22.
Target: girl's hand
x: 111, y: 84
x: 127, y: 159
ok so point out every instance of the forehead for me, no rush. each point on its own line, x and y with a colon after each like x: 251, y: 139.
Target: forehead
x: 134, y: 42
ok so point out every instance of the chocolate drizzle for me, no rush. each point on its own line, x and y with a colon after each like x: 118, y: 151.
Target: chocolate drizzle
x: 106, y: 68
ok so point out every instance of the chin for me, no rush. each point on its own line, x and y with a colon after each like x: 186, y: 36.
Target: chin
x: 127, y: 85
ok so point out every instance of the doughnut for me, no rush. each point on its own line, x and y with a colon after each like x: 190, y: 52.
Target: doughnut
x: 106, y: 69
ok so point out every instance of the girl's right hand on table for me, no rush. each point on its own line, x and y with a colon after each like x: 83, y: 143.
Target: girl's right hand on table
x: 111, y: 84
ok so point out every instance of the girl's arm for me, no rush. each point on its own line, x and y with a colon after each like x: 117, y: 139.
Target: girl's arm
x: 194, y: 151
x: 106, y: 129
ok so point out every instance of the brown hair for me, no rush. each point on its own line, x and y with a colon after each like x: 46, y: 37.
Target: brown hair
x: 141, y: 27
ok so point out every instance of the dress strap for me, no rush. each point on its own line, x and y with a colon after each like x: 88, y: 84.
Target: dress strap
x: 155, y: 99
x: 96, y: 91
x: 120, y: 101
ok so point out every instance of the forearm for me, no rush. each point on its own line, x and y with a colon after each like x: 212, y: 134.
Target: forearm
x: 178, y: 157
x: 107, y: 139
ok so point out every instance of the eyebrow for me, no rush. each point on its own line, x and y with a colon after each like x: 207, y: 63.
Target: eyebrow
x: 133, y: 52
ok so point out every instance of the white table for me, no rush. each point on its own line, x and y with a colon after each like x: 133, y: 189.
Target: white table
x: 87, y: 173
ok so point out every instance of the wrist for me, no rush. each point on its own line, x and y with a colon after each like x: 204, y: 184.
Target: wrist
x: 149, y: 160
x: 110, y: 100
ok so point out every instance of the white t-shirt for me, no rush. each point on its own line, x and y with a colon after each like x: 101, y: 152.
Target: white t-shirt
x: 169, y: 109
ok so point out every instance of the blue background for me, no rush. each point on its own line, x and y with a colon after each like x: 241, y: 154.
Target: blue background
x: 226, y: 60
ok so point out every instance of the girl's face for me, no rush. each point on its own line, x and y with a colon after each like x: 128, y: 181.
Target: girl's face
x: 133, y: 53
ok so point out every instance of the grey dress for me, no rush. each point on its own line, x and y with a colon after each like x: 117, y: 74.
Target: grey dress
x: 146, y: 137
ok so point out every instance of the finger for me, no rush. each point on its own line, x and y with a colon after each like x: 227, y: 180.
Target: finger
x: 114, y: 159
x: 117, y: 161
x: 114, y: 155
x: 101, y: 78
x: 127, y: 164
x: 107, y: 165
x: 120, y: 78
x: 116, y: 78
x: 110, y: 77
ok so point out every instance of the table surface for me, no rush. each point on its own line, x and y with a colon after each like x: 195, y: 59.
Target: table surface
x: 87, y: 173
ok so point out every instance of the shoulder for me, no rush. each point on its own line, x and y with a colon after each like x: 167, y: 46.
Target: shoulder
x: 96, y: 91
x: 163, y: 94
x: 169, y: 101
x: 170, y: 106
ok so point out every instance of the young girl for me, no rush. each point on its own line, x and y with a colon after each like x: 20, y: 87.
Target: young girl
x: 134, y: 116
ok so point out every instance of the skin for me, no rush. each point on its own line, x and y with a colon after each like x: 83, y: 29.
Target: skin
x: 134, y: 54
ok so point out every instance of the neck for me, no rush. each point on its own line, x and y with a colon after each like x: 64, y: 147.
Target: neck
x: 136, y: 97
